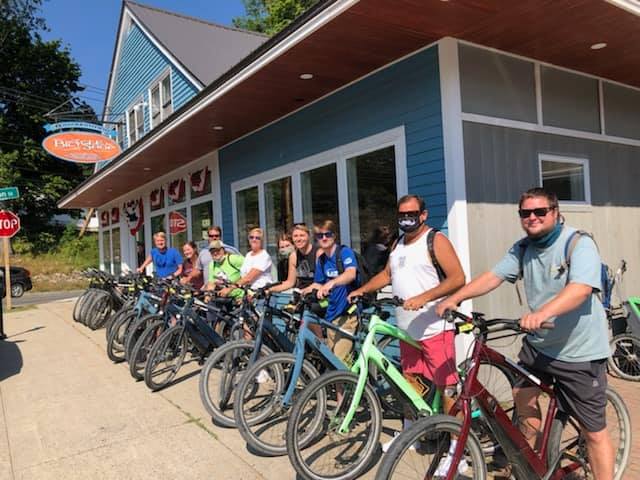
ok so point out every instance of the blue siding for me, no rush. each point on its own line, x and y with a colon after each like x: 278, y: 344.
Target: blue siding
x: 407, y: 93
x: 141, y: 63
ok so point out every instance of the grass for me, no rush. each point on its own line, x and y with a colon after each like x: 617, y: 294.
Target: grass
x: 52, y: 271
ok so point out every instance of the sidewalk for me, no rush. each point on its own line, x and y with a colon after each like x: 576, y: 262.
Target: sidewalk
x: 68, y: 412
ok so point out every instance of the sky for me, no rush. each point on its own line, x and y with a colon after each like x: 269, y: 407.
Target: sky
x: 88, y: 28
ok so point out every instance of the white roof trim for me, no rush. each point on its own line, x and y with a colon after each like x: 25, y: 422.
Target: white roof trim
x: 314, y: 24
x: 129, y: 16
x: 632, y: 6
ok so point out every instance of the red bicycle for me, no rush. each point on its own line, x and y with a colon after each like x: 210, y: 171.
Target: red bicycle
x: 445, y: 447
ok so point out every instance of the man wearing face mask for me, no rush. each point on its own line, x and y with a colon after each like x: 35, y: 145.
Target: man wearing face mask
x: 414, y: 277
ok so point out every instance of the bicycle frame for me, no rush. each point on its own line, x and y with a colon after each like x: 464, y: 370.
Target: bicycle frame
x: 524, y: 460
x: 266, y: 326
x: 370, y: 353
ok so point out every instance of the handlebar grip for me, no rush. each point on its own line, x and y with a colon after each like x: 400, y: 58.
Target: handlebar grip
x: 548, y: 326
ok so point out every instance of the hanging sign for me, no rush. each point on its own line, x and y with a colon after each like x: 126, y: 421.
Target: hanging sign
x: 177, y: 223
x: 54, y: 127
x: 81, y: 147
x: 133, y: 212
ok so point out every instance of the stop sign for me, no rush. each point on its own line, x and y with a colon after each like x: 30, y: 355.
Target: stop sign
x: 9, y: 224
x: 177, y: 223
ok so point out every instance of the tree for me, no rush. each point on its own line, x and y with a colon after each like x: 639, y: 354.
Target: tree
x: 271, y: 16
x: 35, y: 77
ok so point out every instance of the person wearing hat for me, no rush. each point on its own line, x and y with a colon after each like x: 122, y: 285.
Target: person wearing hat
x: 224, y: 267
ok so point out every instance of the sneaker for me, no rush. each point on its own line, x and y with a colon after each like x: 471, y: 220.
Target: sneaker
x: 445, y: 466
x: 263, y: 377
x: 387, y: 445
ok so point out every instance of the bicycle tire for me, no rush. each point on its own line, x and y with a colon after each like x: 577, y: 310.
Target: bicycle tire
x: 136, y: 328
x: 272, y: 414
x: 114, y: 318
x: 321, y: 432
x: 77, y: 305
x: 625, y: 357
x: 140, y: 352
x: 431, y: 429
x: 227, y: 362
x: 115, y: 346
x: 561, y: 427
x: 101, y: 311
x: 171, y: 345
x: 85, y: 309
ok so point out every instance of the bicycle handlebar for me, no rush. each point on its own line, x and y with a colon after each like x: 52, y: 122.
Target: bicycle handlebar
x: 478, y: 321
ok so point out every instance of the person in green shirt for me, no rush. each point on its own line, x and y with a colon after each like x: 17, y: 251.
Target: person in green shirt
x: 224, y: 267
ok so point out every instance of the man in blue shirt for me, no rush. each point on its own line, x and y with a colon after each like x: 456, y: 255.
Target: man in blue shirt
x: 335, y: 286
x: 167, y: 262
x: 560, y: 291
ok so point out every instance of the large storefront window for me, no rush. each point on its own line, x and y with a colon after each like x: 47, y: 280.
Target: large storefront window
x: 320, y: 195
x: 141, y: 251
x: 106, y: 249
x: 372, y: 199
x: 248, y: 215
x: 117, y: 251
x: 178, y: 228
x: 158, y: 224
x: 201, y: 220
x: 200, y: 183
x: 279, y: 211
x: 156, y: 199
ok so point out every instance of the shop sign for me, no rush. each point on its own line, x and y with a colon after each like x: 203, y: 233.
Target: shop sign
x: 81, y: 147
x: 177, y: 223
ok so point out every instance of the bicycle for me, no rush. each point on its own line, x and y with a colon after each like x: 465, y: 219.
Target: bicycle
x: 224, y: 368
x: 561, y: 452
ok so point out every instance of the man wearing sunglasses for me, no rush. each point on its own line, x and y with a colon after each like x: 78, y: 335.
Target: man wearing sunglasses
x: 334, y: 286
x: 562, y: 291
x: 204, y: 258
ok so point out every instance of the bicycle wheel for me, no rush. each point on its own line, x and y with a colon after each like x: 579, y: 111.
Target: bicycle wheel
x: 115, y: 344
x: 101, y: 311
x: 140, y: 351
x: 260, y: 415
x: 78, y: 305
x: 420, y: 452
x: 315, y: 447
x: 136, y: 328
x: 221, y: 374
x: 624, y: 360
x: 566, y: 437
x: 166, y: 358
x: 85, y: 308
x: 114, y: 318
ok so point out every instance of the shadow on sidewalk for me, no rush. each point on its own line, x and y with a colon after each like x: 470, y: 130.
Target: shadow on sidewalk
x: 10, y: 358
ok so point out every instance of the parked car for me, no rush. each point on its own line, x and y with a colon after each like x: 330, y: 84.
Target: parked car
x: 20, y: 280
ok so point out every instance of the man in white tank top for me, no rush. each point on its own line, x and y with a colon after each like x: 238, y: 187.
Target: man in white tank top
x: 414, y: 278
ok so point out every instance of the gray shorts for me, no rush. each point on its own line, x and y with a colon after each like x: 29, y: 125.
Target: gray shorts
x: 580, y: 387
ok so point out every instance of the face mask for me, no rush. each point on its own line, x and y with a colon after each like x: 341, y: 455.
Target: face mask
x: 285, y: 252
x: 409, y: 224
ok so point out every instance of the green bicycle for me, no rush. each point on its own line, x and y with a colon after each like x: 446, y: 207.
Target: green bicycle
x: 344, y: 443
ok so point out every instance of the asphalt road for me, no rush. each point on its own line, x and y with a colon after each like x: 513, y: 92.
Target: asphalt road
x: 30, y: 298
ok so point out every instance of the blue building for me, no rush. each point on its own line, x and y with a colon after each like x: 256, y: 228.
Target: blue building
x: 359, y: 102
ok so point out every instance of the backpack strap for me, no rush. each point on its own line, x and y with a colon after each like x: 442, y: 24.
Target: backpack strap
x: 432, y: 253
x: 339, y: 264
x: 227, y: 258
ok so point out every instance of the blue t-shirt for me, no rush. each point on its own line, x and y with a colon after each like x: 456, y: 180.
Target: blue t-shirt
x: 338, y: 302
x: 165, y: 263
x: 580, y: 335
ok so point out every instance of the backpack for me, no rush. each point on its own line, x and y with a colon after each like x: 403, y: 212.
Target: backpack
x: 364, y: 272
x: 432, y: 252
x: 605, y: 289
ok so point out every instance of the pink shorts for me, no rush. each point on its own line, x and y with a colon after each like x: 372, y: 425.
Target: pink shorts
x: 436, y: 361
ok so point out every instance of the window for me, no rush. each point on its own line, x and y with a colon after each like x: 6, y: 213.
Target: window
x: 201, y: 220
x: 279, y: 211
x: 176, y: 191
x: 200, y: 183
x: 139, y: 109
x: 156, y: 199
x: 167, y: 103
x: 567, y: 177
x: 131, y: 125
x: 121, y: 132
x: 320, y: 195
x: 158, y: 224
x: 135, y: 121
x: 372, y: 197
x: 178, y: 228
x: 155, y: 106
x: 117, y: 255
x: 106, y: 249
x: 141, y: 250
x: 248, y: 215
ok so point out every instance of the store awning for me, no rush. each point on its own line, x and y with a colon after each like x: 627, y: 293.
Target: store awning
x: 339, y: 42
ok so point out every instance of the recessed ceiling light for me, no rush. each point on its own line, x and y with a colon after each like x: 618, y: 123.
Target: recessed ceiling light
x: 147, y: 169
x: 306, y: 76
x: 218, y: 127
x: 598, y: 46
x: 109, y: 189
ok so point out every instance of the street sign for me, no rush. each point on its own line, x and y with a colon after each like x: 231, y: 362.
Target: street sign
x: 9, y: 193
x: 9, y: 224
x: 177, y: 223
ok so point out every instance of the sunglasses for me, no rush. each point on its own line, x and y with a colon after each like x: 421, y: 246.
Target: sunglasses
x: 215, y: 235
x: 321, y: 235
x: 253, y: 237
x: 413, y: 213
x: 538, y: 212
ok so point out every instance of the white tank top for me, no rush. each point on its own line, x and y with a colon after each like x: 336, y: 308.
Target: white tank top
x: 412, y: 273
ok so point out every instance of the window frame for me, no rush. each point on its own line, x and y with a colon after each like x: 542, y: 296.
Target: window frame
x: 109, y: 231
x: 339, y: 155
x: 584, y: 162
x: 157, y: 83
x: 135, y: 128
